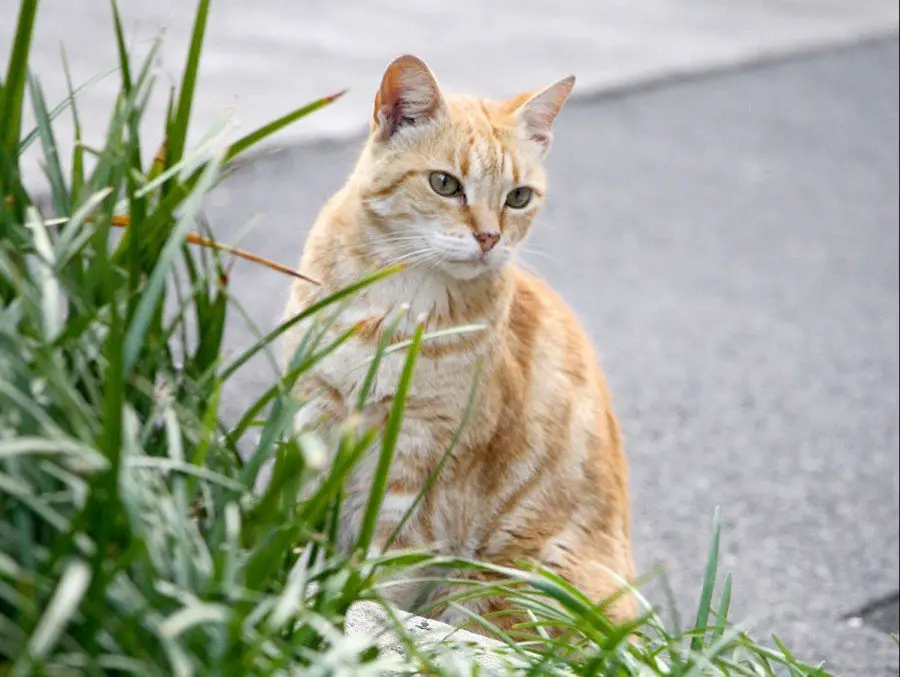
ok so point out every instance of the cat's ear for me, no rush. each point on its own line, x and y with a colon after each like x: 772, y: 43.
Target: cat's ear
x: 409, y: 95
x: 536, y: 115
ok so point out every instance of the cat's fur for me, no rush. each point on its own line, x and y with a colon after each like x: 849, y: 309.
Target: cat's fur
x: 539, y: 473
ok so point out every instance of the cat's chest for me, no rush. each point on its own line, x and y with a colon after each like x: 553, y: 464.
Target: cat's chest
x: 443, y: 368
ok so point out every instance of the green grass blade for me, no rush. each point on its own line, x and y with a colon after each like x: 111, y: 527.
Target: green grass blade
x: 169, y: 465
x: 52, y: 165
x: 60, y: 610
x: 383, y: 344
x: 32, y: 136
x: 37, y: 505
x: 179, y: 129
x: 291, y: 600
x: 305, y: 314
x: 251, y: 139
x: 448, y: 452
x: 709, y: 583
x: 76, y: 230
x: 150, y: 298
x: 434, y: 335
x: 209, y: 429
x: 21, y: 446
x: 16, y: 75
x: 335, y: 478
x: 724, y: 606
x: 333, y: 517
x: 77, y: 149
x: 134, y: 100
x: 783, y: 648
x: 211, y: 141
x: 671, y: 605
x: 107, y: 170
x: 483, y: 623
x: 277, y: 423
x: 122, y: 50
x: 51, y: 296
x: 284, y: 385
x: 388, y: 446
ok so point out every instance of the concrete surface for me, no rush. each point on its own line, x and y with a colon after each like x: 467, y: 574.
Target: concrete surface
x: 266, y: 58
x: 732, y: 245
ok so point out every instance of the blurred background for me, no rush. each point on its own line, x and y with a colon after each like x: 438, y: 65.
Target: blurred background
x: 723, y: 216
x: 265, y: 58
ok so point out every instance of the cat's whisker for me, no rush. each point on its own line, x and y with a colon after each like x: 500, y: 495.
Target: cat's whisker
x: 399, y: 236
x: 527, y: 266
x: 389, y: 257
x: 426, y: 259
x: 437, y: 262
x: 395, y: 240
x: 408, y: 252
x: 538, y: 252
x: 407, y: 258
x: 417, y: 261
x: 403, y: 249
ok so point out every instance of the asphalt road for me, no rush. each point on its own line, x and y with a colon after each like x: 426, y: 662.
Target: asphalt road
x: 731, y: 243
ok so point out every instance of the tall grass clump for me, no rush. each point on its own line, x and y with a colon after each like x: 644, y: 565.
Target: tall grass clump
x: 131, y: 538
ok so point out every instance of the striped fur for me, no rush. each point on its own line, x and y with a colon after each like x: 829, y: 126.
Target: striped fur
x: 539, y: 473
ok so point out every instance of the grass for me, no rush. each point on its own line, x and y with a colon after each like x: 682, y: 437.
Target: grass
x: 131, y: 539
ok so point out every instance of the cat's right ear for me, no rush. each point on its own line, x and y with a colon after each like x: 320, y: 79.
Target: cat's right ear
x: 409, y: 95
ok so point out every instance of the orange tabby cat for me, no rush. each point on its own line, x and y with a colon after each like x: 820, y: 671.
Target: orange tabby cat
x: 449, y: 185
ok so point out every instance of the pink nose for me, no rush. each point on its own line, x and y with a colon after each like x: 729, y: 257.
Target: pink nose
x: 487, y: 241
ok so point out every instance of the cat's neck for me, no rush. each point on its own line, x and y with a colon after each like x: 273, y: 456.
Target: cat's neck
x: 449, y: 302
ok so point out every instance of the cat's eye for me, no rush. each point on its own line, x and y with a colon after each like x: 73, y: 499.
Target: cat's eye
x: 519, y: 198
x: 444, y: 184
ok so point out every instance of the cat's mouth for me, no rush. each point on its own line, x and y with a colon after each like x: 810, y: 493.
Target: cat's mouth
x: 471, y: 260
x: 468, y: 267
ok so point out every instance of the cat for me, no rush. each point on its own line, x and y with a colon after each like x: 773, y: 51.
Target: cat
x: 449, y: 186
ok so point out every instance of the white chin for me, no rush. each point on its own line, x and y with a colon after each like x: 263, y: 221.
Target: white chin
x: 467, y: 270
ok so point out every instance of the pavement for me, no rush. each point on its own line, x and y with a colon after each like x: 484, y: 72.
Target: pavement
x: 729, y: 239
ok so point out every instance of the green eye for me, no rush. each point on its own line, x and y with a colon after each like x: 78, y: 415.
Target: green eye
x: 444, y: 184
x: 519, y: 198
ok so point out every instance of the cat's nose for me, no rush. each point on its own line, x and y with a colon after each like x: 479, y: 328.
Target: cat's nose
x: 488, y: 240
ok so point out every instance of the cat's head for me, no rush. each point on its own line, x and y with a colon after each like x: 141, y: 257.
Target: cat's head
x: 453, y: 182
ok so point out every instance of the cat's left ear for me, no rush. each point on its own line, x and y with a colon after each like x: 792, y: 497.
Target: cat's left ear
x: 536, y: 115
